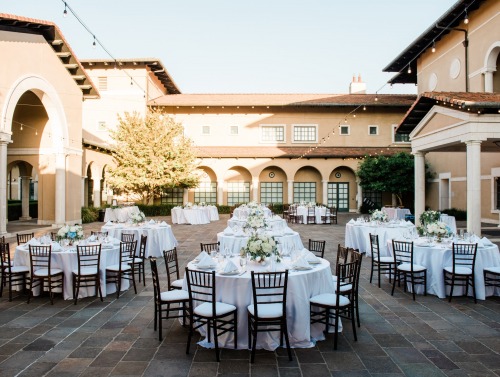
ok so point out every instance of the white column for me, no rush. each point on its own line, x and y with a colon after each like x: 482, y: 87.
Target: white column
x: 4, y: 140
x: 325, y: 192
x: 82, y: 203
x: 255, y: 189
x: 359, y: 196
x: 60, y: 194
x: 185, y: 195
x: 419, y: 185
x: 290, y: 191
x: 488, y: 81
x: 97, y: 191
x: 220, y: 192
x: 474, y: 186
x: 25, y: 200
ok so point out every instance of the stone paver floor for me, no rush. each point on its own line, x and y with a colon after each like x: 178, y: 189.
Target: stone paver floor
x: 398, y: 336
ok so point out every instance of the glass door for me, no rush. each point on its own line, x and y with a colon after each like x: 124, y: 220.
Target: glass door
x: 338, y: 195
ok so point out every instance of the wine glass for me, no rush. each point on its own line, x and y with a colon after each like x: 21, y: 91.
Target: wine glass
x: 243, y: 261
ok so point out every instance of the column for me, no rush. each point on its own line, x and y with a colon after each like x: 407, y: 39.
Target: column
x: 255, y: 189
x: 359, y: 196
x: 4, y: 140
x: 82, y: 202
x: 419, y: 185
x: 290, y: 191
x: 97, y: 191
x: 25, y: 199
x: 220, y: 192
x: 60, y: 194
x: 325, y: 192
x: 488, y: 81
x: 474, y: 186
x: 185, y: 195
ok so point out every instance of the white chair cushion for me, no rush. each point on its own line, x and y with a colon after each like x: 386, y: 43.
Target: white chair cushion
x: 407, y: 267
x: 386, y: 260
x: 459, y: 270
x: 175, y: 295
x: 45, y: 271
x: 19, y: 269
x: 85, y: 271
x: 136, y: 260
x: 267, y: 310
x: 493, y: 270
x: 221, y: 308
x: 177, y: 283
x: 344, y: 288
x: 116, y: 267
x: 329, y: 299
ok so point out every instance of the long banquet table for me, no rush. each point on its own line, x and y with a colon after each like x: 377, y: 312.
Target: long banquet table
x: 160, y: 236
x: 194, y: 215
x: 67, y: 260
x: 302, y: 285
x: 357, y: 234
x: 436, y: 256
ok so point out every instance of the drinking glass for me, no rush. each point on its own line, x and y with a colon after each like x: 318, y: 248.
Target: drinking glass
x: 243, y: 261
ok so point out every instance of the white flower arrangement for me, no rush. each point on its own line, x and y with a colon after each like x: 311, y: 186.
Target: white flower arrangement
x: 438, y: 229
x: 137, y: 217
x: 260, y: 247
x: 311, y: 204
x: 378, y: 215
x: 428, y: 217
x: 202, y: 204
x: 253, y: 204
x: 255, y: 220
x: 70, y: 232
x: 188, y: 205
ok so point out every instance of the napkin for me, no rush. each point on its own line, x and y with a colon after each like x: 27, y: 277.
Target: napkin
x: 163, y: 223
x: 301, y: 264
x: 310, y: 257
x: 228, y: 231
x: 486, y: 242
x: 229, y: 267
x: 56, y: 246
x: 109, y: 223
x: 206, y: 262
x: 351, y: 221
x: 33, y: 242
x: 201, y: 255
x: 152, y: 222
x: 92, y: 238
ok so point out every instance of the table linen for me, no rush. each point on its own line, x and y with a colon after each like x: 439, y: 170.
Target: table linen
x: 396, y: 213
x: 120, y: 215
x: 242, y: 213
x: 318, y: 212
x: 194, y: 215
x: 288, y: 239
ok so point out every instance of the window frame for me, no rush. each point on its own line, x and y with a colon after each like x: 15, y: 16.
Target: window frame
x: 306, y: 188
x: 177, y: 193
x: 348, y: 126
x: 203, y: 130
x: 231, y: 130
x: 276, y: 189
x: 201, y: 194
x: 264, y: 126
x: 370, y: 126
x: 308, y: 125
x: 394, y: 126
x: 237, y: 197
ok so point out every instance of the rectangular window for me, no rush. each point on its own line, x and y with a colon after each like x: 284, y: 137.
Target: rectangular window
x: 173, y: 196
x: 101, y: 126
x: 238, y: 192
x: 498, y: 192
x: 233, y: 130
x: 206, y: 192
x: 102, y: 82
x: 271, y: 192
x: 304, y: 191
x: 305, y: 133
x: 205, y: 130
x: 372, y: 130
x: 372, y: 197
x: 344, y: 130
x: 400, y: 137
x: 272, y: 134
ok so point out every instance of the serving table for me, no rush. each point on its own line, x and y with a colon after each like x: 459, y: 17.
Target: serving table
x: 66, y: 259
x: 121, y: 214
x: 302, y: 285
x: 357, y: 234
x: 160, y: 236
x: 435, y: 256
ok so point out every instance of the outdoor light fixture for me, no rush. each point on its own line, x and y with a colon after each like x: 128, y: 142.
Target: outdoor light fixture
x: 93, y: 43
x: 65, y: 12
x: 466, y: 18
x: 433, y: 46
x: 409, y: 69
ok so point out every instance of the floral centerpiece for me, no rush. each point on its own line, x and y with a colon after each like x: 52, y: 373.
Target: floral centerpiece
x: 137, y: 217
x: 255, y: 221
x: 70, y: 232
x: 378, y: 215
x: 188, y: 205
x: 202, y: 204
x: 438, y: 229
x: 260, y: 247
x: 253, y: 204
x: 428, y: 217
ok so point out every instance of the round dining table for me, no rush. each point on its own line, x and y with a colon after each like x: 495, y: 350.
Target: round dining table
x: 121, y: 214
x: 304, y: 212
x: 287, y: 239
x: 302, y: 285
x: 242, y: 212
x: 275, y: 223
x: 195, y: 215
x: 66, y: 259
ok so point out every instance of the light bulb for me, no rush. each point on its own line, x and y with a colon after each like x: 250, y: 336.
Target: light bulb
x: 364, y: 108
x: 466, y: 18
x: 21, y: 127
x: 93, y: 43
x: 409, y: 69
x: 65, y: 12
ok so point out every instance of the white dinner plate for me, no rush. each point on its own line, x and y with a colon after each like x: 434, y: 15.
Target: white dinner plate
x: 302, y: 268
x: 207, y: 267
x: 235, y: 272
x: 314, y: 262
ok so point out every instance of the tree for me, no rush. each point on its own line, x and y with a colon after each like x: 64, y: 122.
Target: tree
x: 394, y: 174
x: 151, y: 154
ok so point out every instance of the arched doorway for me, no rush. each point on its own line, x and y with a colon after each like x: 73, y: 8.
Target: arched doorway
x: 273, y: 185
x: 307, y: 185
x: 341, y: 189
x: 238, y: 183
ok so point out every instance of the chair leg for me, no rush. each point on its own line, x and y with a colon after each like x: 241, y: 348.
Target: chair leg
x: 190, y: 333
x: 216, y: 341
x: 287, y: 341
x: 76, y: 288
x: 235, y: 319
x: 143, y: 274
x: 413, y: 286
x: 249, y: 331
x: 50, y: 291
x: 335, y: 338
x: 254, y: 343
x: 396, y: 277
x: 119, y: 284
x: 452, y: 286
x: 371, y: 272
x: 378, y: 271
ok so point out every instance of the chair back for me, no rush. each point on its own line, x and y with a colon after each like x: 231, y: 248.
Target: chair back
x: 208, y: 247
x: 156, y: 280
x: 269, y: 288
x: 5, y: 263
x: 127, y: 251
x: 464, y: 255
x: 23, y: 238
x: 201, y: 287
x: 89, y: 258
x: 172, y: 265
x: 40, y: 257
x: 374, y: 246
x: 128, y: 237
x: 342, y: 254
x: 356, y: 257
x: 403, y: 252
x: 347, y: 274
x: 142, y: 247
x: 317, y: 247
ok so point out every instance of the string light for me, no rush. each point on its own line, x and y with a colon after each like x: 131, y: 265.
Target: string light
x: 409, y: 69
x: 433, y: 47
x: 93, y: 43
x: 65, y: 12
x: 466, y: 18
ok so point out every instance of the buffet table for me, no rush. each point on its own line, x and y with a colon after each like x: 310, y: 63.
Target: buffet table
x: 67, y: 260
x: 194, y: 215
x: 357, y: 234
x: 160, y: 236
x: 302, y: 285
x: 120, y: 215
x: 436, y: 256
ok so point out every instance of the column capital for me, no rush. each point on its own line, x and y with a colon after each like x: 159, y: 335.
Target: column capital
x: 473, y: 142
x: 5, y: 137
x: 418, y: 153
x: 290, y: 180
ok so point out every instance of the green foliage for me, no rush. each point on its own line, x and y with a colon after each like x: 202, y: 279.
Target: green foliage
x: 460, y: 214
x: 90, y: 214
x: 151, y: 154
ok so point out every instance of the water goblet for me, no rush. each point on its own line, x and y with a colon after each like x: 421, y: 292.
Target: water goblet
x: 243, y: 261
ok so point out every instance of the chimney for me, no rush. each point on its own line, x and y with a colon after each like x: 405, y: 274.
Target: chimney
x: 357, y: 86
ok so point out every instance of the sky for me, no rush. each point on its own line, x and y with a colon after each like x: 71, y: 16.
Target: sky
x: 257, y: 46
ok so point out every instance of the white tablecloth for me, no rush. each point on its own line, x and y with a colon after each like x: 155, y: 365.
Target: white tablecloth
x: 275, y: 223
x: 160, y: 237
x: 235, y: 243
x: 450, y: 221
x: 242, y: 213
x: 194, y: 215
x: 302, y: 285
x: 120, y: 214
x: 396, y: 213
x: 357, y: 235
x: 68, y: 261
x: 437, y: 257
x: 318, y: 212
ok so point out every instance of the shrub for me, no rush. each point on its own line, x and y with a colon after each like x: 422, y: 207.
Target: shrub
x: 90, y: 214
x: 460, y: 214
